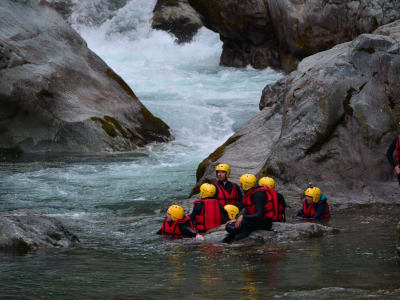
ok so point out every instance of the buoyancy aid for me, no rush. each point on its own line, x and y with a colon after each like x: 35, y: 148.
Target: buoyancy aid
x: 210, y: 216
x: 269, y: 209
x: 397, y: 155
x: 225, y: 198
x: 173, y: 229
x: 309, y: 209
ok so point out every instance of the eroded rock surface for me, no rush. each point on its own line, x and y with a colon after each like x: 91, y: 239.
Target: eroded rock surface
x: 57, y: 95
x: 24, y: 231
x: 329, y: 123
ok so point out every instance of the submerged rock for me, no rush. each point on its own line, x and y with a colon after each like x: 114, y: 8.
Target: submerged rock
x: 280, y: 233
x: 176, y: 17
x: 24, y: 231
x: 57, y: 95
x: 329, y: 123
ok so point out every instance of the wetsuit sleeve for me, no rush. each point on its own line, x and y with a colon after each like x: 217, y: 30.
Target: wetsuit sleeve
x: 187, y: 230
x: 240, y: 197
x: 259, y: 201
x: 389, y: 153
x: 159, y: 231
x: 196, y: 210
x: 224, y: 213
x: 320, y: 210
x: 281, y: 200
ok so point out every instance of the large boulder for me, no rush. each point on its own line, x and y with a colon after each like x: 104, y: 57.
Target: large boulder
x: 57, y: 95
x: 328, y: 123
x: 178, y: 18
x: 282, y: 32
x: 25, y: 230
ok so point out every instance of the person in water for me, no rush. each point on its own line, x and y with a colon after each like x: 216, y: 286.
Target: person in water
x: 279, y: 201
x: 395, y: 161
x: 227, y: 191
x: 177, y: 225
x: 257, y: 213
x: 208, y: 213
x: 315, y: 205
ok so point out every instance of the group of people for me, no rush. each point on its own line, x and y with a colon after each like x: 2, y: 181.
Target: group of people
x: 223, y: 202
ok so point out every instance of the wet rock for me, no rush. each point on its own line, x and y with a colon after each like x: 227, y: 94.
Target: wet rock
x: 398, y: 239
x: 24, y: 231
x: 178, y: 18
x: 280, y: 33
x: 329, y: 123
x: 280, y: 233
x: 57, y: 95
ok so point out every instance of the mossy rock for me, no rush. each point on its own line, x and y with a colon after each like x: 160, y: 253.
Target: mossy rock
x: 111, y: 74
x: 107, y: 126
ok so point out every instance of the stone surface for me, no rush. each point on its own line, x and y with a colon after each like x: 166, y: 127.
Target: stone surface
x: 24, y: 231
x: 57, y: 95
x: 279, y: 33
x: 329, y: 123
x: 398, y: 239
x: 178, y: 18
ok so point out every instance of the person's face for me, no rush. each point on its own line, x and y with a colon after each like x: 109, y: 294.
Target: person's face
x: 309, y: 199
x: 169, y: 218
x: 221, y: 175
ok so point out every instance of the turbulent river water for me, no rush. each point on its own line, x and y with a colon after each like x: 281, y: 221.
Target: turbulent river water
x: 115, y: 203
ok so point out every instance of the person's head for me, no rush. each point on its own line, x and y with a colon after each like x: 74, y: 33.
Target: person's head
x: 222, y: 172
x: 207, y: 190
x: 232, y: 211
x: 313, y: 194
x: 248, y: 181
x: 267, y: 181
x: 175, y: 212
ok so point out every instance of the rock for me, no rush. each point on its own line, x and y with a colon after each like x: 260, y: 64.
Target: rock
x: 280, y: 233
x: 329, y: 123
x: 398, y: 239
x: 24, y: 231
x: 279, y: 33
x: 176, y: 17
x: 57, y: 95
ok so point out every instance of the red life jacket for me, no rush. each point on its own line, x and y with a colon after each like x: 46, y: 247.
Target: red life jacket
x: 210, y: 216
x: 269, y: 209
x: 279, y: 207
x: 309, y: 210
x: 173, y: 230
x: 224, y: 197
x: 397, y: 156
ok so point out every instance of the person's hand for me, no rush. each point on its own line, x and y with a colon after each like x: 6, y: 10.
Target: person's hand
x: 239, y: 222
x: 199, y: 237
x: 397, y: 169
x: 230, y: 222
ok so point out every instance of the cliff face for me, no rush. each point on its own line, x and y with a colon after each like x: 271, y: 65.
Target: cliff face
x: 279, y: 33
x: 329, y: 122
x: 57, y: 95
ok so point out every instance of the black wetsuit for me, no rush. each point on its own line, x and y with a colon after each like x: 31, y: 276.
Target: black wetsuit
x: 281, y: 200
x: 251, y: 222
x: 185, y: 229
x: 390, y: 156
x: 228, y: 186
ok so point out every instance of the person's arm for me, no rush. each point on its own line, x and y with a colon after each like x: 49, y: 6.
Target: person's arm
x: 259, y: 199
x: 196, y: 211
x: 159, y: 231
x: 281, y: 200
x: 240, y: 198
x: 389, y: 153
x: 187, y: 230
x: 224, y: 213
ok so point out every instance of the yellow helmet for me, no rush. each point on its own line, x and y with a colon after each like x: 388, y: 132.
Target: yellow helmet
x: 232, y: 211
x: 267, y: 181
x: 248, y: 181
x: 176, y: 212
x: 207, y: 190
x: 314, y: 193
x: 224, y: 167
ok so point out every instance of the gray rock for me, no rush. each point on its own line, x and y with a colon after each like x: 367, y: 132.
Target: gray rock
x: 279, y: 33
x: 398, y: 239
x: 57, y: 95
x: 176, y: 17
x: 329, y: 123
x: 24, y: 231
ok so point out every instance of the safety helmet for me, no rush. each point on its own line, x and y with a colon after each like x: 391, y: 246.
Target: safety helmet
x: 176, y: 212
x: 207, y: 190
x: 232, y: 211
x: 224, y: 167
x: 267, y: 181
x: 248, y: 181
x: 313, y: 192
